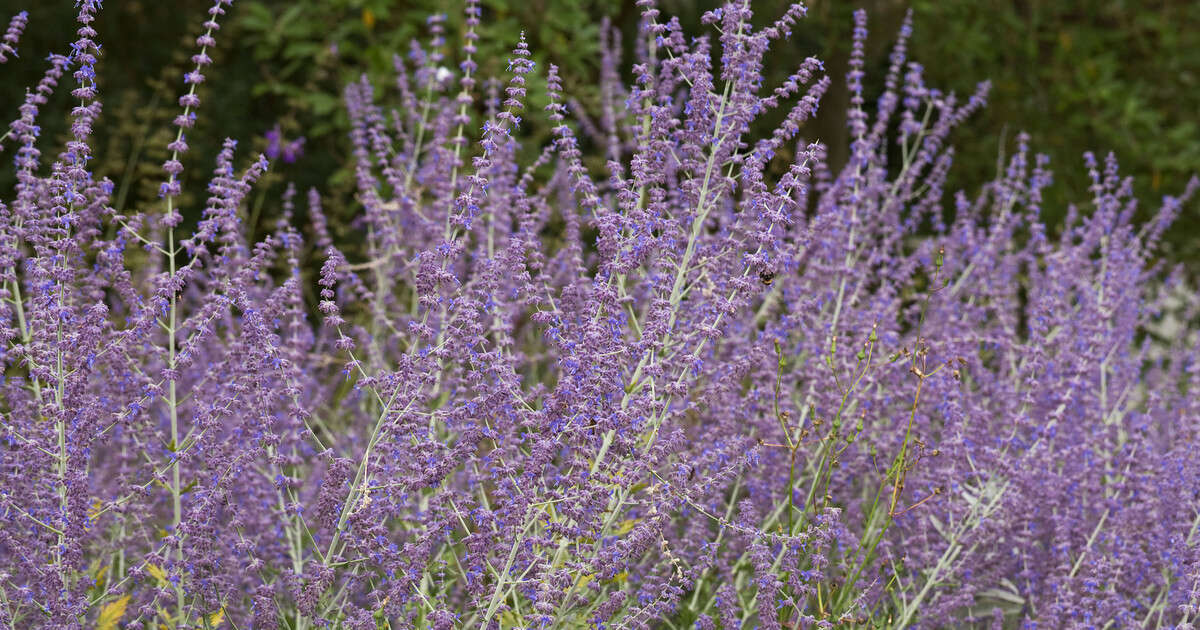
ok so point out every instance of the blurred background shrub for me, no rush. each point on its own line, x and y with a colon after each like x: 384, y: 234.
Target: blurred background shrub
x: 1100, y: 75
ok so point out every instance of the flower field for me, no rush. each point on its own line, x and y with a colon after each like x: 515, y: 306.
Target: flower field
x: 665, y: 369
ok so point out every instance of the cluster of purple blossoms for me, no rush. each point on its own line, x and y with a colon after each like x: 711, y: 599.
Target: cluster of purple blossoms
x: 718, y: 384
x: 8, y: 44
x: 277, y: 148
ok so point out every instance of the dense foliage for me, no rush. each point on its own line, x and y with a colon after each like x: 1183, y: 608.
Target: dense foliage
x: 1092, y: 75
x: 654, y: 367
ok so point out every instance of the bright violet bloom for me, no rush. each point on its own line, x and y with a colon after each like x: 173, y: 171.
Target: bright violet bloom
x: 276, y: 147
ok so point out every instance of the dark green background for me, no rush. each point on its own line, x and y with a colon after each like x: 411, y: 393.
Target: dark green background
x: 1100, y: 75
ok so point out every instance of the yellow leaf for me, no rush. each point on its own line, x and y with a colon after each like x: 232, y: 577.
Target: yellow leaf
x: 368, y: 18
x: 156, y: 572
x: 583, y: 580
x: 111, y: 614
x: 216, y: 618
x: 100, y: 575
x: 626, y: 526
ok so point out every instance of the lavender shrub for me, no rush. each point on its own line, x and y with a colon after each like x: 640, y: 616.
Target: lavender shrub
x: 718, y: 385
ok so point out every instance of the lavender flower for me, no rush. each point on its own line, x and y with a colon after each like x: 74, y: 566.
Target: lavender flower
x: 8, y: 44
x: 289, y: 151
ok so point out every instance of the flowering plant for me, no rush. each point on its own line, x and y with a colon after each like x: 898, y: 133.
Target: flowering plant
x: 722, y: 384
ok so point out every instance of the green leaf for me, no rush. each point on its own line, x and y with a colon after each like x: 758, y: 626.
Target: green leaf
x: 257, y: 17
